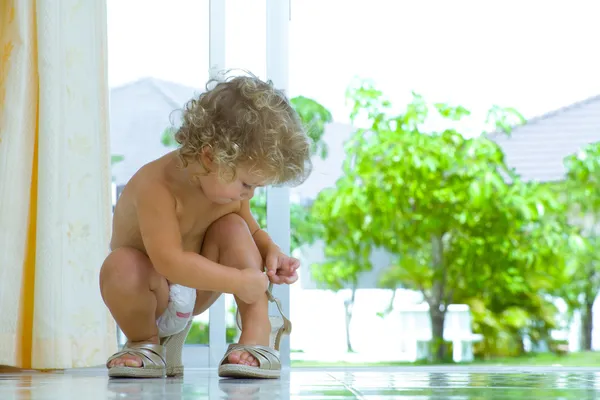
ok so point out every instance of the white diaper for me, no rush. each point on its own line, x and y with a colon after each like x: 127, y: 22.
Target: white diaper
x: 178, y: 312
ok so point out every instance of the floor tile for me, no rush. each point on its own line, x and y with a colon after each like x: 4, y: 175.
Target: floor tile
x: 357, y: 383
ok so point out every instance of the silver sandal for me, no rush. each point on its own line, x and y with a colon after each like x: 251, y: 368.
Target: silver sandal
x: 269, y: 359
x: 153, y: 361
x: 158, y: 360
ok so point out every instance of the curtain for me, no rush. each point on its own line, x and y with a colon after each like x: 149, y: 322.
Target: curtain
x: 55, y: 202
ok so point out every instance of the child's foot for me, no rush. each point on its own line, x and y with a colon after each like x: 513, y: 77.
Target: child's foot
x: 131, y: 360
x: 261, y: 342
x: 253, y: 333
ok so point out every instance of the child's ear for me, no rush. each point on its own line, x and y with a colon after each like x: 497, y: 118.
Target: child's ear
x: 207, y: 158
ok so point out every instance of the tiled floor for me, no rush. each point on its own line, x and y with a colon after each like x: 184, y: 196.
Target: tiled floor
x: 385, y: 383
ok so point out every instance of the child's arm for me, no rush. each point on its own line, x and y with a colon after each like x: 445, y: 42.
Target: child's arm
x: 162, y: 239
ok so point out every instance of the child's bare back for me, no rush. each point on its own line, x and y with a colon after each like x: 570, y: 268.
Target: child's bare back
x: 185, y: 220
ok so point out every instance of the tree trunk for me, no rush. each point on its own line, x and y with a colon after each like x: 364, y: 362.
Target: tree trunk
x: 348, y: 305
x: 438, y: 346
x: 587, y: 324
x: 438, y: 300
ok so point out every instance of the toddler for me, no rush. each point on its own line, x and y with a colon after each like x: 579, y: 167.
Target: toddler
x: 184, y: 220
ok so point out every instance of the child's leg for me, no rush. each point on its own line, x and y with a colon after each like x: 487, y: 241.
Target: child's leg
x: 136, y: 296
x: 229, y: 242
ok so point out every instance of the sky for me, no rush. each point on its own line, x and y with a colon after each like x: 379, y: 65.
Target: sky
x: 533, y: 55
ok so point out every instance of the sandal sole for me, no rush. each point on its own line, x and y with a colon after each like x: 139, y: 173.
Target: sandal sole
x: 133, y: 372
x: 175, y: 371
x: 245, y: 371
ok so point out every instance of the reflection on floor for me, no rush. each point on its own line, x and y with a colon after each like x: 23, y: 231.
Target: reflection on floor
x: 357, y: 383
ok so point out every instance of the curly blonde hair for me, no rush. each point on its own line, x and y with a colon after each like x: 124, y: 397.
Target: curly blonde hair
x: 246, y: 122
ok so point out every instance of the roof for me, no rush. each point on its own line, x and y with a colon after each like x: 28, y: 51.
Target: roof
x: 139, y: 113
x: 537, y: 149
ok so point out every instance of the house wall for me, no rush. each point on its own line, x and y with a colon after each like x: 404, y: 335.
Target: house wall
x: 318, y: 318
x: 311, y: 256
x: 139, y: 113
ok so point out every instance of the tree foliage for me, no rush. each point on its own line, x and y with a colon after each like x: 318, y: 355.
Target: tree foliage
x: 583, y: 179
x: 346, y: 253
x: 302, y: 230
x: 167, y: 138
x: 462, y: 226
x: 115, y: 159
x: 314, y: 116
x: 582, y: 195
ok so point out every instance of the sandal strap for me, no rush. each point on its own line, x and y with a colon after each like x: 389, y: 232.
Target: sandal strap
x: 150, y: 354
x: 267, y: 357
x: 287, y: 325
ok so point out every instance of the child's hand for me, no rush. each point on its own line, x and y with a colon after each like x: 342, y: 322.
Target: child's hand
x: 281, y: 268
x: 253, y: 287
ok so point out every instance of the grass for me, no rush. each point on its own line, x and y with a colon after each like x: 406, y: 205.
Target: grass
x: 319, y: 364
x: 584, y: 359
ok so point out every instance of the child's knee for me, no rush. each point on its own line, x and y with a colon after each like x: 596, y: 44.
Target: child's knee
x: 228, y: 227
x: 126, y: 267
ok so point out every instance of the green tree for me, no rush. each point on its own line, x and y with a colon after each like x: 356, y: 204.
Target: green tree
x: 582, y: 194
x: 458, y: 220
x: 315, y: 117
x: 199, y: 332
x: 302, y: 231
x: 346, y: 252
x: 115, y: 159
x: 167, y: 138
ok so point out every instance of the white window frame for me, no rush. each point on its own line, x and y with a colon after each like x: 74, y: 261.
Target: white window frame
x: 278, y: 200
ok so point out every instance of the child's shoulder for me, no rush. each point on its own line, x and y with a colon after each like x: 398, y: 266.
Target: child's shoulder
x: 149, y: 182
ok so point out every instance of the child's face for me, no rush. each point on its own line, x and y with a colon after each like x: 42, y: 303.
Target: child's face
x: 241, y: 188
x: 219, y: 191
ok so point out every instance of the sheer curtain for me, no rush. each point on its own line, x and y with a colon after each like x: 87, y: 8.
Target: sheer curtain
x: 54, y: 184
